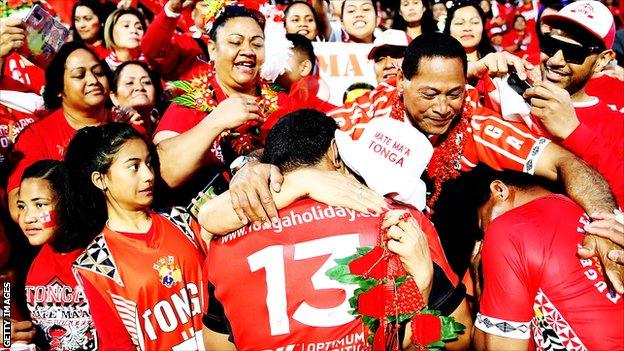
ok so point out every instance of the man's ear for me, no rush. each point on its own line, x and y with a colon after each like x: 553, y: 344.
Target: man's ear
x: 400, y: 80
x: 334, y: 157
x: 603, y: 59
x: 500, y: 191
x: 97, y: 179
x: 305, y: 68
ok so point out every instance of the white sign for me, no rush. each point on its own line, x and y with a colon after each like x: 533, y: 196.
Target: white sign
x: 342, y: 64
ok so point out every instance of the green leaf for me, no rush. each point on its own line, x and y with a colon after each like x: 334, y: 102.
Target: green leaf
x: 436, y: 345
x: 347, y: 260
x: 336, y: 272
x: 364, y: 250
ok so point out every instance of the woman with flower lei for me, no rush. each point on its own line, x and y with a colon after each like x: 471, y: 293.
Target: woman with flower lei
x: 221, y: 108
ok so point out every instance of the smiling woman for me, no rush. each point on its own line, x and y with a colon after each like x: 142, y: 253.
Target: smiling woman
x: 359, y: 19
x: 220, y: 97
x: 466, y: 23
x: 300, y: 18
x: 88, y: 17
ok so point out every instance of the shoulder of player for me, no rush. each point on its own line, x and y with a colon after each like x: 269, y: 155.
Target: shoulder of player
x: 484, y: 117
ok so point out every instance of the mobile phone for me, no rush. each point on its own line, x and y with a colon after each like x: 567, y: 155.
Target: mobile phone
x: 517, y: 84
x: 217, y: 185
x: 45, y: 36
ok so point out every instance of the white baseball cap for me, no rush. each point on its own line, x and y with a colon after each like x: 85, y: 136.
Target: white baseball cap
x: 391, y: 156
x: 591, y: 15
x: 390, y: 38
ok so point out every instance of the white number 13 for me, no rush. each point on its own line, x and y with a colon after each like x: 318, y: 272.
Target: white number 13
x: 272, y: 260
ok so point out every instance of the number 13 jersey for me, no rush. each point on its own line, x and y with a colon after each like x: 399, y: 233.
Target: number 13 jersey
x: 272, y: 284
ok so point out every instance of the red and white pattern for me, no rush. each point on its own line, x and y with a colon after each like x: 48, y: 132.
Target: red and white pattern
x: 548, y: 317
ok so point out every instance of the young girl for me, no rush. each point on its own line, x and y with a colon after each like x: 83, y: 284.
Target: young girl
x: 56, y: 302
x: 142, y: 270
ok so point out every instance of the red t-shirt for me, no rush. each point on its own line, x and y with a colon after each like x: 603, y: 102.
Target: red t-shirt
x: 599, y: 141
x: 275, y: 293
x: 498, y: 143
x: 151, y: 286
x: 536, y: 286
x: 45, y: 139
x: 610, y: 90
x: 57, y: 304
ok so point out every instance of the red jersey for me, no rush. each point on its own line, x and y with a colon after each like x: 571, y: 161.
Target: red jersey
x: 44, y: 139
x: 498, y: 143
x: 536, y: 287
x: 287, y: 301
x: 57, y: 303
x: 599, y: 141
x: 609, y: 90
x: 152, y: 285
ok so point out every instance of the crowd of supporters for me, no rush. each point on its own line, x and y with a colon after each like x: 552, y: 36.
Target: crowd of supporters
x: 178, y: 175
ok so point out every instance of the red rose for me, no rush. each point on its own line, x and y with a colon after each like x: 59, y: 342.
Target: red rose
x: 426, y: 328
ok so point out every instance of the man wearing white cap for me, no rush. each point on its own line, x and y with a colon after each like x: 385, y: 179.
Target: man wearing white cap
x: 577, y: 47
x: 387, y: 53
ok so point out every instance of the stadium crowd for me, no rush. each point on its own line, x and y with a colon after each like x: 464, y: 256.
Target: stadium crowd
x: 187, y: 175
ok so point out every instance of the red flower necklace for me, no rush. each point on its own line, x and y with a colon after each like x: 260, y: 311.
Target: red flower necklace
x: 200, y: 94
x: 445, y: 163
x: 388, y: 295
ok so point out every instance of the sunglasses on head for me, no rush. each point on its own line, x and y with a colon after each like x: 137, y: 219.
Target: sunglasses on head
x: 572, y: 53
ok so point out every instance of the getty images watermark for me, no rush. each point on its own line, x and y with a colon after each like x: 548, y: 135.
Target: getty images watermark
x: 6, y: 314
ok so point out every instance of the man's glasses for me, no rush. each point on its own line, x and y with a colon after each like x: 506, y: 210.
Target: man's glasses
x: 572, y: 53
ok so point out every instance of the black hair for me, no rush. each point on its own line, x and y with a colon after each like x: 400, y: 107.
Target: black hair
x: 303, y: 46
x: 303, y: 2
x: 154, y: 77
x: 484, y: 47
x: 355, y: 86
x: 230, y: 12
x: 112, y: 19
x: 82, y: 205
x: 54, y: 72
x: 99, y: 12
x: 431, y: 45
x: 427, y: 24
x: 48, y: 170
x: 299, y: 139
x: 481, y: 178
x: 342, y: 6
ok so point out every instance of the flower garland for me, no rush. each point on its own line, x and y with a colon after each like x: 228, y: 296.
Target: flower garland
x: 387, y: 296
x: 199, y: 94
x: 445, y: 163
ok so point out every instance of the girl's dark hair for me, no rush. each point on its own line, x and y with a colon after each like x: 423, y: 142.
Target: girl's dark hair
x: 82, y: 206
x: 55, y: 71
x: 303, y: 2
x: 52, y: 171
x: 97, y: 9
x: 112, y: 20
x: 484, y: 47
x: 49, y: 170
x: 427, y: 24
x: 230, y: 12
